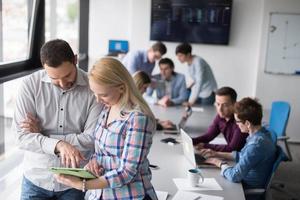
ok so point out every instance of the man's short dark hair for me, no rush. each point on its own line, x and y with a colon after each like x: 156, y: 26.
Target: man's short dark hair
x: 160, y: 47
x: 227, y: 91
x: 167, y: 61
x: 249, y: 109
x: 184, y: 48
x: 55, y: 52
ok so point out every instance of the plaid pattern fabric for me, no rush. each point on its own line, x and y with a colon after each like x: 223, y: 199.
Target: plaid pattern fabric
x: 121, y: 147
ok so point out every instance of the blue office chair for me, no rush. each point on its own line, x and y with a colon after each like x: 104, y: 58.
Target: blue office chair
x: 265, y: 193
x: 279, y: 118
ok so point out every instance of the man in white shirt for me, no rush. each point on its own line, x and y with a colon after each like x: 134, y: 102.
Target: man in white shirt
x: 204, y: 83
x: 54, y: 120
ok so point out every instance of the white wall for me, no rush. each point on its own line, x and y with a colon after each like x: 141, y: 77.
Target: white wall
x: 240, y: 64
x: 272, y: 87
x: 234, y: 65
x: 1, y: 101
x: 109, y: 19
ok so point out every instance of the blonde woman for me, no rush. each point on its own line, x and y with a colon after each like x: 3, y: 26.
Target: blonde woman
x: 143, y: 81
x: 123, y: 137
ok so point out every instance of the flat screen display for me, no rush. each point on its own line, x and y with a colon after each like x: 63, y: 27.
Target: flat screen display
x: 117, y: 46
x: 194, y: 21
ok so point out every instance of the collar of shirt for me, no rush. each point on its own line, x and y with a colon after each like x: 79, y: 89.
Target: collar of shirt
x: 261, y: 132
x: 79, y: 79
x: 231, y: 119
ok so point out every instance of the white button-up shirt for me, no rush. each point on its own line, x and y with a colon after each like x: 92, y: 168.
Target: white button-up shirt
x: 68, y: 115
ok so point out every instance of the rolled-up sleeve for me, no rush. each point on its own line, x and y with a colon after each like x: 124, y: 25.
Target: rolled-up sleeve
x: 136, y: 148
x: 250, y: 158
x: 25, y: 103
x: 182, y: 93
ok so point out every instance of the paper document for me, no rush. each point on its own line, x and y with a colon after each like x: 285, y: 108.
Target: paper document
x: 218, y: 140
x: 208, y: 184
x: 194, y: 196
x: 161, y: 195
x: 197, y: 109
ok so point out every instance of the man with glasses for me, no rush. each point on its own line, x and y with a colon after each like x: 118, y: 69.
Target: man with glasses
x: 224, y: 123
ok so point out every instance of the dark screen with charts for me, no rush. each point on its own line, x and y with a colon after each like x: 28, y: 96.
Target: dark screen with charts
x: 194, y: 21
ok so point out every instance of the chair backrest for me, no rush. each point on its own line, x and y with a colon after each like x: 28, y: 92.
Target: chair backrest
x: 273, y: 134
x: 280, y: 156
x: 279, y: 117
x: 265, y: 193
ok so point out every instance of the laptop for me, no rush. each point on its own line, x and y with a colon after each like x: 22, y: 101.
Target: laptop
x: 176, y: 128
x: 188, y: 149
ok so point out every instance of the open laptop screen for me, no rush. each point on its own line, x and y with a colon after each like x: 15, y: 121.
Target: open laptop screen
x: 188, y: 150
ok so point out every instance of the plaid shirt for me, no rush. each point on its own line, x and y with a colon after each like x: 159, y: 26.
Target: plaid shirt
x: 121, y: 147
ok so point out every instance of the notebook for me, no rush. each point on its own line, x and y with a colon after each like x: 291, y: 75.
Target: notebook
x: 176, y: 128
x: 188, y: 149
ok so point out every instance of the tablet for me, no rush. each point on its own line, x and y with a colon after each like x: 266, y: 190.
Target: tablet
x: 79, y: 172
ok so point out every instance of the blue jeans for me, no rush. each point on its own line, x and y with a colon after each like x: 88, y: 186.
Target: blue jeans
x: 203, y: 101
x: 33, y: 192
x: 206, y: 101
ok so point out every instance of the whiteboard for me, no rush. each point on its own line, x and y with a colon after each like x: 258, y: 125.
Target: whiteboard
x: 283, y: 49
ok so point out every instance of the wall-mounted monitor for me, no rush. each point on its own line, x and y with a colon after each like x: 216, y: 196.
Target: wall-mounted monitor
x: 194, y: 21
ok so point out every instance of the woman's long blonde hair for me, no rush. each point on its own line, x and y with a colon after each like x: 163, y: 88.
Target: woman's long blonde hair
x: 112, y: 73
x: 141, y: 78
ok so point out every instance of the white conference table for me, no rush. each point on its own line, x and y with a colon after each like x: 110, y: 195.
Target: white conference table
x: 173, y: 164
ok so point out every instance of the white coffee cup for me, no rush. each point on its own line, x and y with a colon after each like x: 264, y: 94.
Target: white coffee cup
x: 195, y: 177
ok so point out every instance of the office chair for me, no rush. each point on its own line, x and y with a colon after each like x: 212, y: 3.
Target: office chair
x: 279, y: 118
x: 265, y: 193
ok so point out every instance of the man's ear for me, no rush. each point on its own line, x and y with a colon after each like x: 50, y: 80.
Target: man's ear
x: 248, y: 124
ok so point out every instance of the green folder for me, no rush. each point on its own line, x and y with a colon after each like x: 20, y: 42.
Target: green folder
x: 79, y: 172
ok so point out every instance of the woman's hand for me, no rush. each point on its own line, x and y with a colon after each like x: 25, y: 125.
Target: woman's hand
x: 71, y: 181
x: 30, y: 124
x: 94, y: 167
x: 214, y: 161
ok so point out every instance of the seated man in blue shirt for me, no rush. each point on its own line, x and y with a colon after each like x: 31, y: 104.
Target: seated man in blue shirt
x: 144, y: 60
x: 169, y: 85
x: 255, y: 161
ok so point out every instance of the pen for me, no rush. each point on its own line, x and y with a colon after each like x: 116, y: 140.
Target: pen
x: 153, y: 166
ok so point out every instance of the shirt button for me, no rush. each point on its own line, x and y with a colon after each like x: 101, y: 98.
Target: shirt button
x: 60, y: 126
x: 63, y: 92
x: 61, y: 109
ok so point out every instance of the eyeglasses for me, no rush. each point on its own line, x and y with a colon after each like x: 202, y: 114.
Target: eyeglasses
x: 239, y: 121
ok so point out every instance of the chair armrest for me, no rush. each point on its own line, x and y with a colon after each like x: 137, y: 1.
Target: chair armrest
x: 283, y: 138
x: 255, y: 191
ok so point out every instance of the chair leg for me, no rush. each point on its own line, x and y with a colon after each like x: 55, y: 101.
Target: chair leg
x: 288, y: 150
x: 279, y: 186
